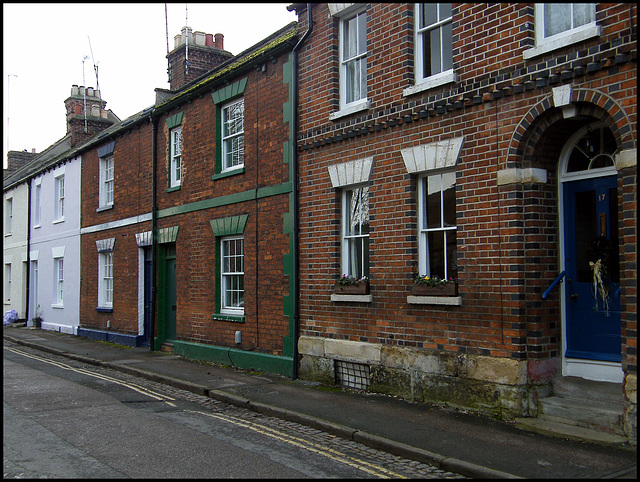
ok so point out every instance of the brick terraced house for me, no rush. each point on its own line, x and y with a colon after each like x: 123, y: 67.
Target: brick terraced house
x: 492, y: 146
x: 191, y: 199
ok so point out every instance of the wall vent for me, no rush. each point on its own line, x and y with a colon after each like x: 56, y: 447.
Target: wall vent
x: 352, y: 375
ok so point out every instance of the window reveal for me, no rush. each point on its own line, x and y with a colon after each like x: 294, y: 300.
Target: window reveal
x: 437, y: 226
x: 355, y: 232
x: 233, y: 135
x: 176, y: 157
x: 354, y: 58
x: 232, y: 289
x: 434, y: 39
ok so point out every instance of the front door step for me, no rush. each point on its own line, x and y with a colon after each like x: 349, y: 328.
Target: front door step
x: 167, y: 347
x: 582, y: 410
x: 573, y: 432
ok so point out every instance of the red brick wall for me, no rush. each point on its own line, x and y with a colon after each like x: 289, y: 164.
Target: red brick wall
x: 132, y: 197
x: 266, y: 134
x: 508, y: 238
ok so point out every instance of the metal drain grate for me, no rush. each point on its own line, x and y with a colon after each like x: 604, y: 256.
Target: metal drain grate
x: 352, y: 375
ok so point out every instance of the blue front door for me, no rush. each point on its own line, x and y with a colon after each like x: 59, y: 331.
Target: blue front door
x: 591, y: 235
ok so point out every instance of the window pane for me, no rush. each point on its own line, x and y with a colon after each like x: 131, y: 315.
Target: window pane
x: 358, y: 215
x: 436, y: 50
x: 234, y: 118
x: 362, y: 33
x: 233, y: 134
x: 557, y: 18
x: 446, y: 10
x: 234, y: 149
x: 358, y: 257
x: 447, y: 46
x: 452, y: 254
x: 362, y: 81
x: 435, y: 253
x: 350, y: 38
x: 429, y: 14
x: 433, y: 202
x: 449, y: 196
x: 426, y: 55
x: 233, y: 273
x: 582, y: 14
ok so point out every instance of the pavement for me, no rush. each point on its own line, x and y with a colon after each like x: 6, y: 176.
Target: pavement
x: 452, y: 440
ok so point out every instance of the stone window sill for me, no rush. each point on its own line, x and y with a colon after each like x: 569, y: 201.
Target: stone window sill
x: 434, y: 300
x: 353, y: 298
x: 225, y: 317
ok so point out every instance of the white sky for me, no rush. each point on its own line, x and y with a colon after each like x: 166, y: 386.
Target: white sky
x: 44, y: 46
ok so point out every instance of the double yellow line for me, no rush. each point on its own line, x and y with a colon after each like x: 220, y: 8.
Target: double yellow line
x: 363, y: 465
x: 359, y: 464
x: 64, y: 366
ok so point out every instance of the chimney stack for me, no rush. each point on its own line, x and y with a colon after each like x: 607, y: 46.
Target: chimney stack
x: 95, y: 120
x: 17, y: 159
x: 203, y: 51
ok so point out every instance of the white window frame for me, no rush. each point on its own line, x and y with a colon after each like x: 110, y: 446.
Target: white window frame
x: 352, y: 239
x: 59, y: 198
x: 227, y: 276
x: 58, y: 279
x: 107, y: 181
x: 444, y: 76
x: 7, y: 282
x: 232, y: 132
x: 8, y: 219
x: 105, y: 279
x: 175, y: 161
x: 423, y: 229
x: 359, y: 58
x: 561, y: 39
x: 37, y: 205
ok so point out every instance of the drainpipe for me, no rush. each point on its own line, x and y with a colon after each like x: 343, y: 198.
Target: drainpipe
x: 28, y: 290
x: 154, y: 161
x: 294, y: 160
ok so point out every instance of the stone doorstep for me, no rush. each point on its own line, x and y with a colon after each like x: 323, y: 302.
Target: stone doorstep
x: 573, y: 432
x: 576, y: 387
x: 167, y: 347
x: 601, y: 416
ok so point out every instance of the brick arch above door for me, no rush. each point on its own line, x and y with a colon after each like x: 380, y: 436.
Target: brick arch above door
x: 562, y: 105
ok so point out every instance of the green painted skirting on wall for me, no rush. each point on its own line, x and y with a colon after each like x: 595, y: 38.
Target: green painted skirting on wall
x: 251, y: 360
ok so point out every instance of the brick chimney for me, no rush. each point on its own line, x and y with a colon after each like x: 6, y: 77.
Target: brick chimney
x: 81, y: 126
x: 192, y: 59
x: 17, y: 159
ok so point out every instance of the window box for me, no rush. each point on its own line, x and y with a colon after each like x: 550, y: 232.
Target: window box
x: 352, y: 289
x: 423, y: 289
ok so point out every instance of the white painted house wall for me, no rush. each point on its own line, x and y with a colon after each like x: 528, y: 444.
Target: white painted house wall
x: 54, y: 237
x: 15, y: 248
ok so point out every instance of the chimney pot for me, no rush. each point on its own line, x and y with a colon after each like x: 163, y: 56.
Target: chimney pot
x: 219, y: 41
x: 208, y: 41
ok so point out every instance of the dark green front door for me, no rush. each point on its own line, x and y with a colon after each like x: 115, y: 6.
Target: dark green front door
x: 170, y: 292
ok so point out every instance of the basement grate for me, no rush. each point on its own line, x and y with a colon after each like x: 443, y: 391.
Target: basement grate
x: 352, y: 375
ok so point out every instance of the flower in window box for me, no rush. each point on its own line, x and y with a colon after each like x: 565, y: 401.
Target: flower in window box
x: 350, y: 285
x: 434, y: 286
